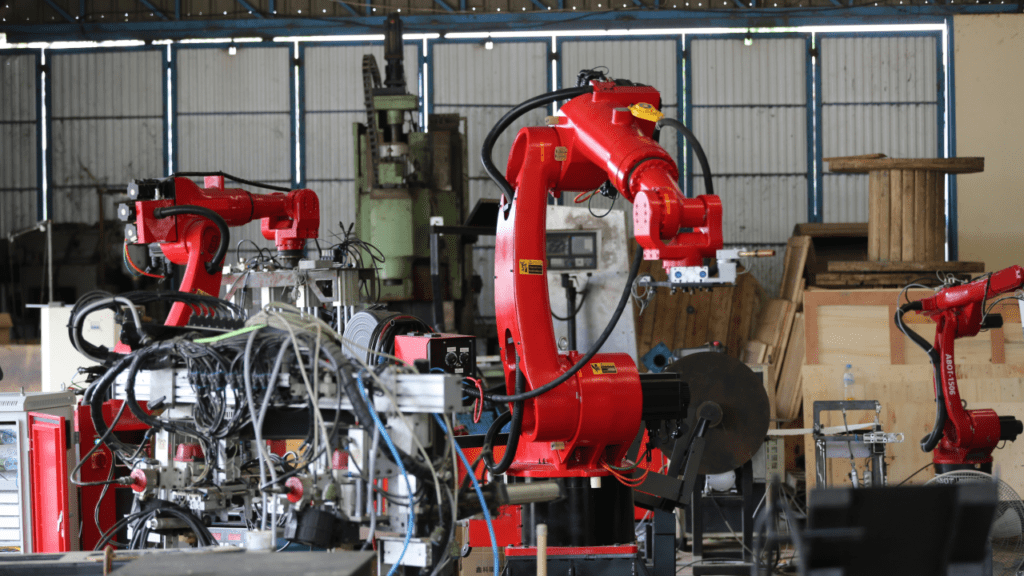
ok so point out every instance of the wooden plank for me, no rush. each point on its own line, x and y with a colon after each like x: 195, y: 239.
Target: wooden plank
x: 682, y: 323
x: 721, y: 311
x: 697, y: 324
x: 783, y: 345
x: 856, y: 157
x: 866, y: 280
x: 896, y: 214
x: 921, y: 194
x: 874, y: 212
x: 942, y: 165
x: 926, y: 266
x: 754, y: 352
x: 746, y: 307
x: 772, y: 322
x: 884, y: 214
x: 788, y: 394
x: 831, y: 229
x: 797, y: 249
x: 909, y: 212
x: 936, y: 217
x: 666, y: 318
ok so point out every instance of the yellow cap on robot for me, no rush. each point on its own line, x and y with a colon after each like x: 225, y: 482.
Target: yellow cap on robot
x: 645, y: 111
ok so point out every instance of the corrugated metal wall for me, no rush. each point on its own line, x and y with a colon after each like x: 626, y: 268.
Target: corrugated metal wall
x: 749, y: 112
x: 647, y: 61
x: 106, y: 112
x: 18, y: 122
x: 333, y: 94
x: 482, y: 85
x: 879, y: 94
x: 234, y: 115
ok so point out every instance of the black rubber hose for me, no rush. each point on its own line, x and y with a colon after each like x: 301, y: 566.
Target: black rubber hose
x: 698, y: 150
x: 492, y: 433
x: 513, y: 434
x: 232, y: 178
x: 222, y: 247
x: 586, y: 357
x: 929, y: 442
x: 507, y: 120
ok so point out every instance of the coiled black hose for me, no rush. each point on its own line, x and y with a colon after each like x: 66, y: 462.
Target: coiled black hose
x: 698, y: 150
x: 506, y: 121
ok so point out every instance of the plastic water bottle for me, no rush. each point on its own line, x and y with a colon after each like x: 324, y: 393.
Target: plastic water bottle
x: 848, y: 383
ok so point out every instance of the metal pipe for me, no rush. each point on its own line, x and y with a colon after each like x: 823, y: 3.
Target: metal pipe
x: 166, y: 524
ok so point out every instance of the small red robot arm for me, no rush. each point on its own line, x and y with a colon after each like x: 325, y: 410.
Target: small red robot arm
x: 962, y: 437
x: 191, y: 225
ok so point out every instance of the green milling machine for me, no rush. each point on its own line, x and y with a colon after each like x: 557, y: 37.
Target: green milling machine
x: 407, y: 181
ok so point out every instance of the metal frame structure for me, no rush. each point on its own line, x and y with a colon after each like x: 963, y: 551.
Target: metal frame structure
x: 269, y: 25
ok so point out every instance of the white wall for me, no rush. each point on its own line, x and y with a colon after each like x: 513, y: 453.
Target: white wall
x: 989, y: 68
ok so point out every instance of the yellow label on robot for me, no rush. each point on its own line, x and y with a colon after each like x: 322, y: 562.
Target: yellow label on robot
x: 645, y: 111
x: 531, y: 267
x: 602, y: 368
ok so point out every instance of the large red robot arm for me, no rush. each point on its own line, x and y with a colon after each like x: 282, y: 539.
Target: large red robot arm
x: 962, y: 437
x: 588, y: 420
x: 190, y: 224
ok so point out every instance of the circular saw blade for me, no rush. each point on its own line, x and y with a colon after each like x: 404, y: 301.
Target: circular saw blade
x: 746, y: 412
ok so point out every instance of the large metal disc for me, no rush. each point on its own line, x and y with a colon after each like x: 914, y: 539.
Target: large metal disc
x: 746, y: 412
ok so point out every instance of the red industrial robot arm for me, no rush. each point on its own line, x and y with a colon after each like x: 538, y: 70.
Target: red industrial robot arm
x: 191, y: 223
x: 963, y: 437
x: 591, y: 418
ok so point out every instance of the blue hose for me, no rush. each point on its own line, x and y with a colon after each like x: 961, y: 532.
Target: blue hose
x: 398, y: 460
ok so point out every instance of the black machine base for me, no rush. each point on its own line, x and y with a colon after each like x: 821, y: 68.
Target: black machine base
x: 582, y: 565
x: 587, y: 516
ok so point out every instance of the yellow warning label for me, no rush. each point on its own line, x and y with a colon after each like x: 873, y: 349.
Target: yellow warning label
x: 601, y: 368
x: 531, y: 266
x: 202, y: 292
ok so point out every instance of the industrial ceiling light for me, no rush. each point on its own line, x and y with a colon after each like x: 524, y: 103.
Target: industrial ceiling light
x: 232, y: 50
x: 748, y: 40
x: 489, y: 45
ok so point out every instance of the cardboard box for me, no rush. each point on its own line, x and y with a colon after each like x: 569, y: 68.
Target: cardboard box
x: 480, y: 561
